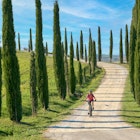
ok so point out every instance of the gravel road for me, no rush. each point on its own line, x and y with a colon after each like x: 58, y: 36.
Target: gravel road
x: 106, y: 122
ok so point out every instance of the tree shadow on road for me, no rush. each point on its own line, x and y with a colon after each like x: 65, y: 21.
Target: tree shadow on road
x: 69, y: 127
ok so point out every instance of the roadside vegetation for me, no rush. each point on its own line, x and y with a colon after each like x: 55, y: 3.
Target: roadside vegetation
x: 130, y: 108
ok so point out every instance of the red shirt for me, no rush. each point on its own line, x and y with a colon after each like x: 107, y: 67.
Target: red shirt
x: 90, y: 97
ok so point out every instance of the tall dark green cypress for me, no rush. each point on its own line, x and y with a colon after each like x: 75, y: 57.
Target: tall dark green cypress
x: 41, y: 71
x: 0, y: 84
x: 89, y: 51
x: 63, y: 80
x: 99, y: 45
x: 66, y: 42
x: 89, y: 46
x: 80, y: 73
x: 72, y: 73
x: 57, y: 55
x: 66, y: 74
x: 66, y: 64
x: 121, y: 47
x: 81, y: 45
x: 85, y: 53
x: 10, y: 64
x: 77, y: 51
x: 133, y: 37
x: 111, y: 45
x: 93, y: 57
x: 62, y: 49
x: 95, y: 54
x: 137, y: 60
x: 46, y: 49
x: 30, y: 42
x: 84, y: 74
x: 126, y: 44
x: 132, y: 58
x: 33, y: 92
x: 19, y: 42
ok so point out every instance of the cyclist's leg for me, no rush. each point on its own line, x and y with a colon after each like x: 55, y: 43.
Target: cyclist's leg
x: 93, y: 104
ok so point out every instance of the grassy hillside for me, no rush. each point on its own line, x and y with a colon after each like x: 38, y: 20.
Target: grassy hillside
x: 32, y: 127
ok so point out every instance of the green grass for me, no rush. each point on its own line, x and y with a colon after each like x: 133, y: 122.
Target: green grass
x: 31, y: 128
x: 130, y: 109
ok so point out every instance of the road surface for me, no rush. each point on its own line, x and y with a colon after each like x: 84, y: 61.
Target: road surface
x: 106, y: 122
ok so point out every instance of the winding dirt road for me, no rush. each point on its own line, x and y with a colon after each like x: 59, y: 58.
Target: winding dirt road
x: 106, y: 122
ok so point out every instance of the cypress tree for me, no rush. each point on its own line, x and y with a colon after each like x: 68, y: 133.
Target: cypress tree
x: 10, y: 64
x: 80, y: 76
x: 137, y: 60
x: 57, y: 54
x: 99, y: 45
x: 63, y: 81
x: 72, y: 73
x: 0, y: 84
x: 81, y: 45
x: 46, y: 50
x: 84, y: 75
x: 85, y: 54
x: 41, y: 71
x: 131, y: 55
x: 126, y: 44
x: 95, y: 59
x: 121, y: 47
x: 18, y: 41
x: 62, y: 49
x: 111, y: 45
x: 77, y: 51
x: 66, y: 74
x: 33, y: 92
x: 133, y: 37
x: 66, y: 42
x: 66, y: 64
x: 31, y: 44
x: 89, y: 46
x: 90, y: 68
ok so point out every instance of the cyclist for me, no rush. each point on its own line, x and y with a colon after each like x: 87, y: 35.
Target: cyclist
x: 91, y: 98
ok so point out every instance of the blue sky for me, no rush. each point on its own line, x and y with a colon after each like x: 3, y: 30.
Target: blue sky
x: 75, y: 15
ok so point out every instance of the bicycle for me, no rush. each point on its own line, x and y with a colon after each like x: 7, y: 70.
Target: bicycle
x: 91, y: 108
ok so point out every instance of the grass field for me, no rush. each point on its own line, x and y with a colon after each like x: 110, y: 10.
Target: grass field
x: 130, y: 109
x: 31, y: 128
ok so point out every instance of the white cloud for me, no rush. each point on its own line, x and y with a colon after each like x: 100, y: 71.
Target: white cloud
x: 89, y: 10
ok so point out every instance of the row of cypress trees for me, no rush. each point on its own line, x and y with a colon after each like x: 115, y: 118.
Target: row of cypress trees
x: 135, y: 52
x: 38, y: 72
x: 65, y: 78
